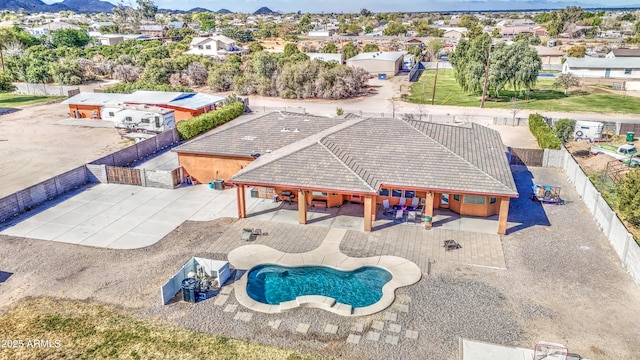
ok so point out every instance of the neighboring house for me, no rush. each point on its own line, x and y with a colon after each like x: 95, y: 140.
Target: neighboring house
x: 367, y: 161
x: 110, y: 39
x: 53, y: 26
x: 217, y: 45
x: 96, y: 26
x: 549, y: 55
x: 453, y: 33
x: 511, y: 31
x: 388, y: 63
x: 321, y: 33
x: 154, y: 31
x: 624, y: 53
x: 184, y: 105
x: 621, y: 68
x: 337, y: 58
x: 178, y: 25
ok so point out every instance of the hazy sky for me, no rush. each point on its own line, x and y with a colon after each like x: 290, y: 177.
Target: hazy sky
x: 329, y: 6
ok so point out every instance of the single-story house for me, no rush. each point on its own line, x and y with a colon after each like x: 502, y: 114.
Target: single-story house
x: 110, y: 39
x: 184, y: 105
x: 217, y: 45
x: 621, y: 68
x: 511, y: 31
x: 549, y: 55
x: 368, y: 161
x: 454, y: 33
x: 326, y: 57
x: 624, y: 53
x: 321, y: 33
x: 388, y: 63
x: 156, y: 31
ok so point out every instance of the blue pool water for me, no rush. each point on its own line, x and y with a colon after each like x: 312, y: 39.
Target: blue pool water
x: 273, y: 284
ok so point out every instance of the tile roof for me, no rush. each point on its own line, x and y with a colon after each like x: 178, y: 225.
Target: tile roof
x: 261, y: 135
x: 394, y: 153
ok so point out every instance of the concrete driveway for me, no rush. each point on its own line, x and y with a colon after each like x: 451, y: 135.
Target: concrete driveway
x: 124, y: 216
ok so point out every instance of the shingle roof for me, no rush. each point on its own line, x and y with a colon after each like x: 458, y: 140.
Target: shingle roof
x: 396, y: 153
x: 311, y: 165
x: 626, y: 52
x: 269, y: 132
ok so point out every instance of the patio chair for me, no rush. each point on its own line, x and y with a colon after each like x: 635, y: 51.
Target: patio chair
x: 402, y: 202
x: 415, y: 202
x: 411, y: 216
x: 387, y: 209
x: 399, y: 216
x: 419, y: 214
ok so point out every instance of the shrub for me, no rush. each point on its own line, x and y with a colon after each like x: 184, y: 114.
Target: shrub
x: 563, y: 129
x: 339, y: 111
x: 128, y: 88
x: 207, y: 121
x: 5, y: 83
x: 547, y: 139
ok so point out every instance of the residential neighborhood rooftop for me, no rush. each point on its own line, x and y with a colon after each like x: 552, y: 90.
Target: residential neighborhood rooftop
x: 380, y: 55
x: 610, y: 63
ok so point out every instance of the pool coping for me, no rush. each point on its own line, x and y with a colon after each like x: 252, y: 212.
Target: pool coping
x: 403, y: 272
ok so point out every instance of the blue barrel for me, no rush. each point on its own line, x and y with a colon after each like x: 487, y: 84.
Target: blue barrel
x: 189, y: 289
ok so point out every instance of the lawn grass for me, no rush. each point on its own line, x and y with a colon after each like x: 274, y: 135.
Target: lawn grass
x: 15, y: 100
x: 544, y: 97
x: 82, y: 330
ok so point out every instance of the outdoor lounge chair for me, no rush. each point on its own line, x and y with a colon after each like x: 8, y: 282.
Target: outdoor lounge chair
x: 399, y: 216
x: 411, y: 216
x: 402, y: 202
x: 415, y: 202
x: 419, y: 214
x: 387, y: 209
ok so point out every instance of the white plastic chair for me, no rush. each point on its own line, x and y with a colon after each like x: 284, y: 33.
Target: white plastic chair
x: 415, y: 202
x: 402, y: 201
x: 387, y: 208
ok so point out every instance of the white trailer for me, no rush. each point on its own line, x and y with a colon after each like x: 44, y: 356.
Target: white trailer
x: 588, y: 130
x: 140, y: 117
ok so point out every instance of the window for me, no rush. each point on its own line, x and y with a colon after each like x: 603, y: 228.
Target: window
x: 396, y: 193
x: 456, y: 197
x: 384, y: 192
x: 319, y: 193
x: 200, y: 47
x: 128, y: 119
x: 158, y: 124
x: 475, y: 200
x: 145, y: 120
x: 409, y: 194
x: 627, y: 71
x: 492, y: 200
x: 208, y: 47
x: 111, y: 114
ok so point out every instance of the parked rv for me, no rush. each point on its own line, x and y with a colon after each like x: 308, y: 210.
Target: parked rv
x: 140, y: 117
x: 588, y: 130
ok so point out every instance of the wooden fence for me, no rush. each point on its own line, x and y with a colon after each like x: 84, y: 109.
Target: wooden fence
x: 121, y: 175
x: 528, y: 157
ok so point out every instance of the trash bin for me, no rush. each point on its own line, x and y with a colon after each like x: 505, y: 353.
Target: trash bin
x: 189, y: 289
x: 630, y: 135
x: 218, y: 184
x: 211, y: 185
x: 427, y: 219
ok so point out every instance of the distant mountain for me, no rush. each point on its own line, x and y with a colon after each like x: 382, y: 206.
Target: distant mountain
x: 198, y: 9
x: 224, y: 11
x: 263, y: 11
x: 89, y: 6
x: 31, y: 6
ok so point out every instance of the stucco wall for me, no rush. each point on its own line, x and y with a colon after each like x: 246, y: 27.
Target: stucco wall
x: 206, y: 168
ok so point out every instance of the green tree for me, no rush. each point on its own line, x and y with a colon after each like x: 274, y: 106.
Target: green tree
x: 70, y: 38
x: 349, y: 50
x: 330, y: 49
x: 365, y: 13
x: 628, y: 197
x: 564, y: 128
x: 577, y: 51
x: 255, y: 47
x: 514, y: 66
x: 66, y: 72
x: 304, y: 25
x: 468, y: 21
x: 432, y: 48
x: 371, y: 48
x: 180, y: 33
x: 474, y: 32
x: 291, y: 49
x: 566, y: 81
x: 37, y: 72
x: 395, y: 28
x: 416, y: 51
x: 147, y: 9
x: 636, y: 28
x: 6, y: 83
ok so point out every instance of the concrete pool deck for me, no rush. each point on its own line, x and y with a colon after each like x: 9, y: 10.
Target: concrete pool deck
x: 403, y: 271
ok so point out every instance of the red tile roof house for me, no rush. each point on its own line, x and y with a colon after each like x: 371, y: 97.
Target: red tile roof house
x: 359, y: 160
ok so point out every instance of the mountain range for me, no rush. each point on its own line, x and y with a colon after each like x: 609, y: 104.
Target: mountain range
x: 79, y: 6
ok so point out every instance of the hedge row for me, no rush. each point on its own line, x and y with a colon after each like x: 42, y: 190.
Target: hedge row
x: 207, y: 121
x: 128, y: 88
x: 545, y: 135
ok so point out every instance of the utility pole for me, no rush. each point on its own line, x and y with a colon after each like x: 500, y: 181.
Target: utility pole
x: 435, y: 81
x: 486, y: 77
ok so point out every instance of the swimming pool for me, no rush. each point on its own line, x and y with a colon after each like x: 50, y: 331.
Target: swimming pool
x: 274, y: 284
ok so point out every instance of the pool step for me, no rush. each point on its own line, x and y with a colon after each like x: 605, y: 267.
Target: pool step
x: 342, y: 309
x: 317, y: 301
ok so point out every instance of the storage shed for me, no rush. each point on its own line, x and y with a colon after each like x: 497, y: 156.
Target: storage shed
x: 388, y: 63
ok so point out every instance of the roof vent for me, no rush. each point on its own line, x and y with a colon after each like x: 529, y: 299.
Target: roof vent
x: 285, y: 130
x: 296, y: 130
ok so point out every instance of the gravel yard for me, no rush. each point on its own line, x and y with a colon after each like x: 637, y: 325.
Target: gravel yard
x: 563, y: 283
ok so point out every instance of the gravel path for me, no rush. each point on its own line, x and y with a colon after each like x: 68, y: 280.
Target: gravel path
x: 563, y: 283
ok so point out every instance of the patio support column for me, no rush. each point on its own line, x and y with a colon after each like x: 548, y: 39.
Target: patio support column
x: 302, y: 207
x: 504, y: 214
x: 368, y: 212
x: 374, y: 207
x: 428, y: 211
x: 242, y: 207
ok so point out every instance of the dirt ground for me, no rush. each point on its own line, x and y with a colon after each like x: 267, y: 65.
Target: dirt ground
x: 34, y: 148
x: 516, y: 136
